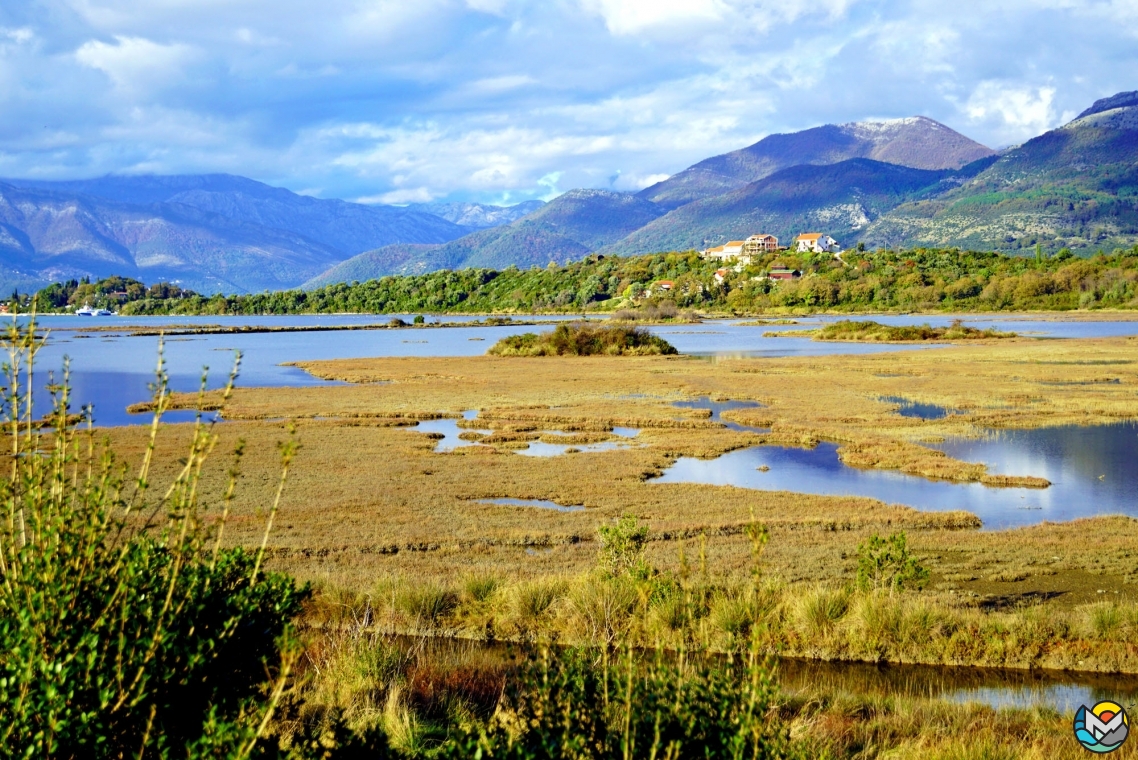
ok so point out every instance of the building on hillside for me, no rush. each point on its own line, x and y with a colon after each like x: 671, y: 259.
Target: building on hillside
x: 664, y: 285
x: 756, y: 245
x: 816, y: 242
x: 720, y: 275
x: 784, y: 273
x: 725, y: 252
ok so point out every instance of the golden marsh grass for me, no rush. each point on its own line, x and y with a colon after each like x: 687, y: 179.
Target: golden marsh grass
x: 372, y: 507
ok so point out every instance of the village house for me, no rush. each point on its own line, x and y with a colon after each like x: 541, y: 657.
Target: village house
x: 664, y: 285
x: 756, y: 245
x: 720, y: 275
x: 784, y: 273
x: 816, y: 242
x: 725, y: 252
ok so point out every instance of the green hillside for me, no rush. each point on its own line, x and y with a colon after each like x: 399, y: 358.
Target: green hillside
x: 840, y: 199
x: 1073, y: 187
x: 565, y: 229
x: 861, y: 281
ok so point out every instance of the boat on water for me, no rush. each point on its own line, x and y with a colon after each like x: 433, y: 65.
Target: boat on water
x: 87, y: 311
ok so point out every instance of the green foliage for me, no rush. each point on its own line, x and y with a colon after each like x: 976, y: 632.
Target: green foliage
x: 622, y: 547
x: 862, y: 281
x: 886, y: 563
x: 583, y: 339
x: 125, y: 630
x: 107, y: 293
x: 568, y: 705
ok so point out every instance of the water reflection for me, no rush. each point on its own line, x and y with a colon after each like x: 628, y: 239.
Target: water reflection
x: 450, y: 440
x: 909, y: 408
x: 1062, y: 691
x: 1072, y: 458
x: 718, y: 407
x: 540, y: 503
x: 1058, y: 690
x: 111, y: 370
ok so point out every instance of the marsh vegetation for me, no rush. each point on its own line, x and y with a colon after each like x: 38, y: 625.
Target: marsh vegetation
x: 583, y: 339
x: 396, y: 538
x: 868, y: 330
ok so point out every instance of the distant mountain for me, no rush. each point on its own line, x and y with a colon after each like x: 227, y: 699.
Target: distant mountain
x: 405, y: 258
x: 916, y: 142
x: 840, y: 199
x: 48, y: 235
x: 478, y: 215
x: 567, y: 228
x: 347, y: 227
x: 1074, y: 186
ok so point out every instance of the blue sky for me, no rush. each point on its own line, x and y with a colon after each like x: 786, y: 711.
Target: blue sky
x: 395, y: 101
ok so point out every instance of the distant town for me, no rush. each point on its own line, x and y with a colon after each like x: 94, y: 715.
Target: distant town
x: 740, y: 253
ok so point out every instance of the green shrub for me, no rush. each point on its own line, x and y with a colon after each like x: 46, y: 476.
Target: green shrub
x: 622, y: 547
x: 125, y: 630
x: 885, y: 563
x: 583, y: 339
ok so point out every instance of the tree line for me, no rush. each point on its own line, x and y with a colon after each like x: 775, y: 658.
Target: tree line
x: 858, y: 280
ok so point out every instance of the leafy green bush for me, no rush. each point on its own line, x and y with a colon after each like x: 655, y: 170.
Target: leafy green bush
x: 886, y: 563
x: 125, y: 628
x: 583, y: 339
x: 622, y: 547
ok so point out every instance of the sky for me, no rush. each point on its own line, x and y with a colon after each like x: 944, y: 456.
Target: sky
x: 499, y: 101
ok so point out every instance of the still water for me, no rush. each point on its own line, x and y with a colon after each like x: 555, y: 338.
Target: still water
x: 112, y: 371
x: 1061, y: 691
x: 451, y: 440
x: 1093, y: 471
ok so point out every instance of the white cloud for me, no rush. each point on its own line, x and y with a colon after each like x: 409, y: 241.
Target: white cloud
x: 20, y: 36
x: 399, y: 197
x: 1015, y: 111
x: 497, y: 7
x: 634, y: 182
x: 136, y: 63
x: 492, y: 85
x: 486, y: 99
x: 631, y: 16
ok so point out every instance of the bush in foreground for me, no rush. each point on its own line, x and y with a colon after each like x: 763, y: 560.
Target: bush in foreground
x: 583, y: 339
x: 125, y: 629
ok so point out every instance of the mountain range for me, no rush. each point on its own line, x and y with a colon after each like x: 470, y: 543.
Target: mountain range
x: 209, y: 233
x: 905, y: 182
x: 916, y: 142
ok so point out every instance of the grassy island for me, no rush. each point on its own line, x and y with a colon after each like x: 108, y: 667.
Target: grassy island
x: 582, y: 339
x: 876, y: 332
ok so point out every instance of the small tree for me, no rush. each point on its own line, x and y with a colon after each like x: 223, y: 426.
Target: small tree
x: 887, y: 563
x: 622, y: 547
